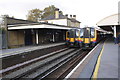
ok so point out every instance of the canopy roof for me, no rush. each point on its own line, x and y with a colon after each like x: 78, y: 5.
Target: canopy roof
x: 109, y: 20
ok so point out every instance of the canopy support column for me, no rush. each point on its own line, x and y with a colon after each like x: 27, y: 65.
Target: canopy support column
x: 37, y: 37
x: 115, y: 31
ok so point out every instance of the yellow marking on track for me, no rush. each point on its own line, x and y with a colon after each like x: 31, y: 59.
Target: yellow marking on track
x: 95, y: 74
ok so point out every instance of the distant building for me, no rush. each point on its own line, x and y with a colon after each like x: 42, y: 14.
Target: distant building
x: 61, y: 19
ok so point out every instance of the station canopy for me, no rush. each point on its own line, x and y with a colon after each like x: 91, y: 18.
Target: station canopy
x: 109, y: 22
x: 16, y: 24
x: 38, y: 26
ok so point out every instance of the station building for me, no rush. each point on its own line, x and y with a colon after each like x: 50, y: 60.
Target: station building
x: 49, y: 30
x: 61, y: 19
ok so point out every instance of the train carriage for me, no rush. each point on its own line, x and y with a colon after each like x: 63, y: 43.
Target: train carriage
x: 72, y: 37
x: 85, y: 38
x: 88, y: 37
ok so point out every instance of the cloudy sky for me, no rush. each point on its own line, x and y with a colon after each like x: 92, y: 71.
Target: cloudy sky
x: 89, y: 12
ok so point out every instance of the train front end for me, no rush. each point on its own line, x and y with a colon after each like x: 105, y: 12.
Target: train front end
x: 72, y: 37
x: 87, y: 38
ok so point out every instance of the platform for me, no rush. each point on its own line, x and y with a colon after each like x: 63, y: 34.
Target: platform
x: 14, y: 51
x: 109, y: 61
x: 102, y: 62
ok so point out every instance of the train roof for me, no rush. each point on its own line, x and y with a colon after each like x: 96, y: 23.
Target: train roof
x: 96, y: 28
x: 100, y: 29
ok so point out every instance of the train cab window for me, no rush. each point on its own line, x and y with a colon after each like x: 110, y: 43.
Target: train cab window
x: 92, y: 33
x: 77, y: 33
x: 86, y: 32
x: 72, y: 33
x: 81, y: 33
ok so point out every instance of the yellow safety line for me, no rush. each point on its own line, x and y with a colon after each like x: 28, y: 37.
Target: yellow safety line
x: 95, y: 74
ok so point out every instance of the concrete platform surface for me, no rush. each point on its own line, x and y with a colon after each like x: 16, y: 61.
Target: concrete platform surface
x: 109, y: 66
x: 109, y: 61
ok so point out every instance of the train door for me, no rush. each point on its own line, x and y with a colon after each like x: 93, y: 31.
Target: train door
x: 28, y: 37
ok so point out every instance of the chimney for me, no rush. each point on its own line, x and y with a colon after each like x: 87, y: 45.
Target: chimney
x: 56, y: 13
x: 66, y: 15
x: 74, y: 16
x: 71, y: 16
x: 60, y: 12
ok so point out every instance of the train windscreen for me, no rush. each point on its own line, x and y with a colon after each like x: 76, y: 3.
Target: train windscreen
x: 92, y: 33
x: 86, y: 32
x: 81, y: 33
x: 72, y: 33
x: 77, y: 34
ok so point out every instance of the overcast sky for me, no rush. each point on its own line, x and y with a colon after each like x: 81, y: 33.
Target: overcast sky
x: 88, y: 12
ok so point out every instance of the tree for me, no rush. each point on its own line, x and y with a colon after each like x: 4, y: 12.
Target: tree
x: 34, y: 15
x: 48, y: 11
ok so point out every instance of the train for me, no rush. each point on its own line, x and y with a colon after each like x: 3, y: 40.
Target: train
x: 85, y: 38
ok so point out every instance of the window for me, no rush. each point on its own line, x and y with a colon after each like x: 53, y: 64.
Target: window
x: 86, y: 32
x: 92, y: 33
x: 81, y: 33
x: 77, y: 33
x: 72, y: 33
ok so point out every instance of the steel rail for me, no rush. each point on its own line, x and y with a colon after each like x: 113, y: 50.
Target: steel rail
x: 17, y: 66
x: 34, y: 70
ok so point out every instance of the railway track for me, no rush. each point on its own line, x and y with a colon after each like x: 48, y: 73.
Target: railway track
x: 53, y: 66
x: 27, y: 63
x: 48, y: 65
x: 57, y: 66
x: 63, y: 70
x: 24, y: 68
x: 27, y: 55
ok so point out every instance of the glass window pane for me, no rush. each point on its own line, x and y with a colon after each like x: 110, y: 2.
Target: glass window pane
x: 92, y: 33
x: 77, y: 33
x: 81, y: 33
